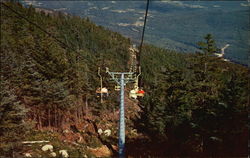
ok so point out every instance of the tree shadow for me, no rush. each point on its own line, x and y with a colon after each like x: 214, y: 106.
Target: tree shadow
x: 143, y: 147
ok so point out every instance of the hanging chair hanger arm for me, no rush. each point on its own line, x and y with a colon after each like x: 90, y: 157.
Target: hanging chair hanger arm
x: 139, y: 69
x: 99, y: 74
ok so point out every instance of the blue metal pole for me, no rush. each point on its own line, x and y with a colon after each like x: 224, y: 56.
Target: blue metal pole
x: 122, y: 120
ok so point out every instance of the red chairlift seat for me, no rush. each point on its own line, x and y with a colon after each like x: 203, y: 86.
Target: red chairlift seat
x: 140, y: 93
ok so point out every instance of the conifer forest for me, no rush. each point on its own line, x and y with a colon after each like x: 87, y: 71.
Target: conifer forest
x: 195, y: 104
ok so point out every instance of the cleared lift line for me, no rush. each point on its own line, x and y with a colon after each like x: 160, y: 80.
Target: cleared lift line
x: 122, y: 78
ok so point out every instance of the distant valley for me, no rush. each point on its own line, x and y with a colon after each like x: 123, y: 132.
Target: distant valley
x: 173, y: 25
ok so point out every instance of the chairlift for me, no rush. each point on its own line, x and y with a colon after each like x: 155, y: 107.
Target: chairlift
x: 102, y: 91
x: 134, y: 93
x: 137, y: 92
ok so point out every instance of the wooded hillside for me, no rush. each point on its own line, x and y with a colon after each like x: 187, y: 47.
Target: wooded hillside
x: 46, y: 81
x: 195, y: 104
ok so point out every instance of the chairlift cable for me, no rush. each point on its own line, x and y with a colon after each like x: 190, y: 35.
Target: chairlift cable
x: 143, y: 32
x: 142, y: 39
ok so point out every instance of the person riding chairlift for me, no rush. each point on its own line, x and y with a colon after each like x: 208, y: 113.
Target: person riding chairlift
x: 133, y: 94
x: 103, y: 91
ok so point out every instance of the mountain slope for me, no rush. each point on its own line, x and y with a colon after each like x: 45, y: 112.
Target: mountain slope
x: 49, y: 92
x: 53, y: 81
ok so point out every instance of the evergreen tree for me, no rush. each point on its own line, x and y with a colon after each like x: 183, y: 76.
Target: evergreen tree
x: 209, y: 46
x: 191, y: 109
x: 12, y: 120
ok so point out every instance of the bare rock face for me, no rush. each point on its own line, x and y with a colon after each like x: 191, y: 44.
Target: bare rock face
x: 64, y: 153
x: 107, y: 132
x: 27, y: 155
x: 100, y: 131
x: 53, y: 154
x: 47, y: 147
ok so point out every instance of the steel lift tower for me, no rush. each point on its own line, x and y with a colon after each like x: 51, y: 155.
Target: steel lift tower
x: 122, y: 78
